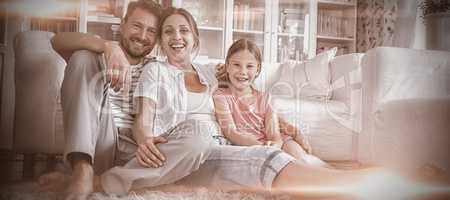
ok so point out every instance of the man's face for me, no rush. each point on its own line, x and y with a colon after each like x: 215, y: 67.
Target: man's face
x: 139, y: 33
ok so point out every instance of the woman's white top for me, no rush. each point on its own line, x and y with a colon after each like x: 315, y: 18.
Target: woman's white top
x: 200, y: 106
x: 164, y: 84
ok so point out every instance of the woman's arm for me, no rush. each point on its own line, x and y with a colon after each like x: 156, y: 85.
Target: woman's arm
x: 228, y: 127
x: 148, y: 154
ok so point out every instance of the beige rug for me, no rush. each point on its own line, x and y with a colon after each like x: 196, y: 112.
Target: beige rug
x: 27, y: 191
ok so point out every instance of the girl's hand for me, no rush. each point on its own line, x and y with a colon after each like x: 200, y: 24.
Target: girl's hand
x: 303, y: 141
x: 274, y: 144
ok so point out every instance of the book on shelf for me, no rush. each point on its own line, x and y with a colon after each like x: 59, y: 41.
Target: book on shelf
x: 248, y: 18
x: 331, y: 23
x: 292, y: 21
x: 53, y: 25
x: 110, y: 8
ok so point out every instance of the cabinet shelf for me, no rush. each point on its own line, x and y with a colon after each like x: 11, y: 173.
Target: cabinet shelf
x: 103, y: 19
x: 337, y: 39
x: 248, y: 31
x: 57, y: 18
x: 336, y: 4
x: 290, y: 35
x: 210, y: 28
x: 281, y: 28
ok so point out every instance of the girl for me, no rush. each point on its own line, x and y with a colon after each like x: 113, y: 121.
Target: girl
x: 245, y: 114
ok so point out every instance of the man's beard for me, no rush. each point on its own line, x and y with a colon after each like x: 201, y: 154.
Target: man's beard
x: 135, y: 55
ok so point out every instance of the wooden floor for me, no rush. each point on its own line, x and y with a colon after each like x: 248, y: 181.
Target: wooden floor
x: 19, y: 167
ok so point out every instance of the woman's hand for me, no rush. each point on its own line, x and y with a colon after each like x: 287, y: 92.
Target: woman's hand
x: 148, y: 154
x: 117, y: 66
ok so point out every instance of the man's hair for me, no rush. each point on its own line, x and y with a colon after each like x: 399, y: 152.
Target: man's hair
x: 147, y: 5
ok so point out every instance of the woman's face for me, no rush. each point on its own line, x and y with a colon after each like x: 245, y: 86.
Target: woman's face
x: 177, y: 39
x: 242, y: 69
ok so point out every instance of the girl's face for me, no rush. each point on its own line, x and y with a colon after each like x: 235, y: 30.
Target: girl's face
x: 177, y: 39
x: 242, y: 69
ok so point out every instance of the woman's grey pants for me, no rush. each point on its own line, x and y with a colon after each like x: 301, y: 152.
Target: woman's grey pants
x: 192, y: 156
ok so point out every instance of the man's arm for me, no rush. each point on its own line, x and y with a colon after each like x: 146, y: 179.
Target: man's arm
x: 117, y: 65
x: 65, y: 43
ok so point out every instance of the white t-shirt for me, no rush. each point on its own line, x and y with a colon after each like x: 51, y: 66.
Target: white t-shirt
x: 164, y: 84
x: 122, y: 104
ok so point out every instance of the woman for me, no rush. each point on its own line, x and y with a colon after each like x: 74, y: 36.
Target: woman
x: 177, y: 91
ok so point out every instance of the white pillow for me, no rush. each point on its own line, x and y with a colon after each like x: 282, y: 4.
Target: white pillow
x: 305, y: 80
x: 318, y: 76
x: 286, y: 86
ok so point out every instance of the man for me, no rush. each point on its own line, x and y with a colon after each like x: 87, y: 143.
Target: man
x: 98, y: 109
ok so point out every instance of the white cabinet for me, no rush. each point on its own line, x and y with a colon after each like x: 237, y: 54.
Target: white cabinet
x: 336, y: 25
x: 283, y: 29
x: 211, y: 21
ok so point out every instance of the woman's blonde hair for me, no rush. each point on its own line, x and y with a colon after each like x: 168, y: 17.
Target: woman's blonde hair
x: 169, y: 11
x: 237, y: 46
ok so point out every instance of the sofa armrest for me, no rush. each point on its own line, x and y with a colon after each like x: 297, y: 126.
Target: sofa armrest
x: 394, y: 76
x: 39, y: 72
x: 411, y: 133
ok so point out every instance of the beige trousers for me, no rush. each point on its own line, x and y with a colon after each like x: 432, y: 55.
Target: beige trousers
x: 89, y: 129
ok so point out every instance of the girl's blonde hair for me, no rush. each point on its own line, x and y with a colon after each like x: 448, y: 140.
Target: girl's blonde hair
x: 237, y: 46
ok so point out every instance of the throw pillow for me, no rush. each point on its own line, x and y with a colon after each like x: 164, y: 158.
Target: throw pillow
x: 317, y: 85
x: 286, y: 86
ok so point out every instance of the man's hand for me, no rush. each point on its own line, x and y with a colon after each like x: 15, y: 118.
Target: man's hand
x: 148, y: 155
x: 117, y: 65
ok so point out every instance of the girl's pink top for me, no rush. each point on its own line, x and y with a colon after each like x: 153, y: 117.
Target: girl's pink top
x: 248, y: 118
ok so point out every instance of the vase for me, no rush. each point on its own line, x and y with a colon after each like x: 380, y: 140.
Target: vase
x: 438, y: 31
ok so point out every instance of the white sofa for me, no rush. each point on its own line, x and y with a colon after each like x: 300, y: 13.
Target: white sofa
x: 400, y: 126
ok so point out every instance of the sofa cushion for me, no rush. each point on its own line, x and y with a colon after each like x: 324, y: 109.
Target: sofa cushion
x: 286, y: 86
x: 405, y: 106
x: 398, y: 73
x: 318, y: 75
x: 327, y: 124
x: 411, y: 133
x: 305, y: 80
x: 270, y: 73
x: 38, y: 76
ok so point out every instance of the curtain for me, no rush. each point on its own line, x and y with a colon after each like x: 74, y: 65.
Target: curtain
x: 395, y: 23
x: 376, y: 23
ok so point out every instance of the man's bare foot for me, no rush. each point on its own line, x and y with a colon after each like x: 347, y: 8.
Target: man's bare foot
x: 81, y: 184
x: 53, y: 182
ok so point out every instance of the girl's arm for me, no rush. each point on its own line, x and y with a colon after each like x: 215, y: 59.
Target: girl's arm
x: 228, y: 127
x: 273, y: 128
x: 148, y: 154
